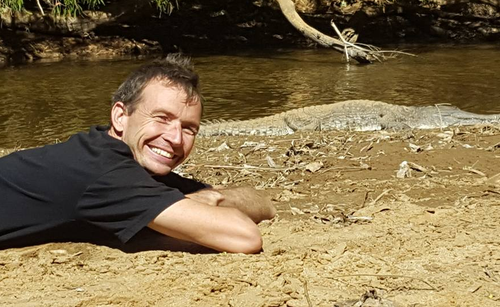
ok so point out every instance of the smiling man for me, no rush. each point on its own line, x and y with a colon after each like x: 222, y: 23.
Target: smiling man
x: 116, y: 181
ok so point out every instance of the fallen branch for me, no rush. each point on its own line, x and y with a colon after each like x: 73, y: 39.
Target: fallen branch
x: 362, y: 53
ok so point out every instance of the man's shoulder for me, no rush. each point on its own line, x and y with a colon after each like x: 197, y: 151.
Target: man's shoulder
x: 91, y: 152
x: 98, y: 135
x: 95, y: 142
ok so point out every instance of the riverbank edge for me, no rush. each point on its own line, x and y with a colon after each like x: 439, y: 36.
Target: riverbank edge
x: 222, y: 27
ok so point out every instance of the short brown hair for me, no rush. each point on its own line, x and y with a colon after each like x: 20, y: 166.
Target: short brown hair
x: 173, y: 70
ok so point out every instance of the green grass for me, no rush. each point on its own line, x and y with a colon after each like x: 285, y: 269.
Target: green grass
x: 76, y: 7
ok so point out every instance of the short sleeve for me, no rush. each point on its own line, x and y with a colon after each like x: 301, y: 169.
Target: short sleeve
x: 125, y: 200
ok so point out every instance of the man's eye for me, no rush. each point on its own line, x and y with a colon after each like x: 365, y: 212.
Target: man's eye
x: 190, y: 131
x: 163, y: 119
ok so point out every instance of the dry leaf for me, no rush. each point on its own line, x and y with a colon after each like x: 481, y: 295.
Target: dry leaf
x: 270, y: 161
x: 221, y: 147
x: 296, y: 211
x: 314, y: 166
x: 286, y: 195
x: 404, y: 170
x: 415, y: 148
x: 249, y: 144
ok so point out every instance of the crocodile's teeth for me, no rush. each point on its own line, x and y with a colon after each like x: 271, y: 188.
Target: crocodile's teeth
x: 162, y: 152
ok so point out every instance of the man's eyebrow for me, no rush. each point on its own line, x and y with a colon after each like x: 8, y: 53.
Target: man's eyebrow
x: 162, y: 111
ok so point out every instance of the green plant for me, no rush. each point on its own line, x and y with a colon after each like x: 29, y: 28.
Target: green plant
x: 14, y: 5
x: 165, y: 6
x: 75, y: 7
x: 428, y: 2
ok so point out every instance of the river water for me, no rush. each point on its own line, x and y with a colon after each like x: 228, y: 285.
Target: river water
x: 46, y: 102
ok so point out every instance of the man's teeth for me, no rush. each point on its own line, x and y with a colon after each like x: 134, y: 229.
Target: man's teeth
x: 162, y: 152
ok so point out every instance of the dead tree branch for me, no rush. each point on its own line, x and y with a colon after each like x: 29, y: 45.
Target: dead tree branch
x: 362, y: 53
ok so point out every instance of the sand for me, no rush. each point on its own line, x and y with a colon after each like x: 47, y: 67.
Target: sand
x: 364, y: 219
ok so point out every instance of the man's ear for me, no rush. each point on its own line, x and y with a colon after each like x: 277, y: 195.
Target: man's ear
x: 118, y: 117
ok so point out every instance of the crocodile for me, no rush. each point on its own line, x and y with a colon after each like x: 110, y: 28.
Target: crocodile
x: 355, y: 115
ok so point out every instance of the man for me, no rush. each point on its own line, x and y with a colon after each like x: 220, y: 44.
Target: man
x: 118, y: 180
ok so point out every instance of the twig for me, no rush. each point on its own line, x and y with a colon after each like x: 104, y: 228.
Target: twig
x: 306, y: 293
x: 367, y: 147
x: 359, y: 218
x: 40, y: 7
x: 419, y: 168
x: 492, y: 191
x: 379, y: 197
x: 287, y: 140
x: 386, y: 276
x: 493, y: 147
x: 397, y: 52
x: 475, y: 171
x: 372, y: 50
x: 365, y: 198
x: 343, y: 41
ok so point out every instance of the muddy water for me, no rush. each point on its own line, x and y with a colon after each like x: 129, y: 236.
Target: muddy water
x: 46, y: 102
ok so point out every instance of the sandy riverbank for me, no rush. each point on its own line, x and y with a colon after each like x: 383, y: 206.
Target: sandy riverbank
x: 350, y: 228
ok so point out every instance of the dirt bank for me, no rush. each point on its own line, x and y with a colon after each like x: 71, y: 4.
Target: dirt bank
x: 350, y: 229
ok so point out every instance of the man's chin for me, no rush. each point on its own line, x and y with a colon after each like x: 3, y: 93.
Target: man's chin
x: 159, y: 168
x: 159, y: 171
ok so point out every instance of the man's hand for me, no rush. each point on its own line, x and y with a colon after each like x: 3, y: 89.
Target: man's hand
x: 255, y: 204
x: 210, y: 197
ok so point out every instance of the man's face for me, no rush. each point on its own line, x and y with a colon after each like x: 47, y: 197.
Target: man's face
x: 162, y: 129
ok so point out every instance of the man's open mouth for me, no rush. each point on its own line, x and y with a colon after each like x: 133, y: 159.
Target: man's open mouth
x: 162, y: 152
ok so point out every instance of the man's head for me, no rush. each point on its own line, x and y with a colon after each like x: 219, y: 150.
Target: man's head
x: 157, y: 113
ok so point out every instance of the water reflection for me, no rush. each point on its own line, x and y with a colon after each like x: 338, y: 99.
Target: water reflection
x: 45, y: 103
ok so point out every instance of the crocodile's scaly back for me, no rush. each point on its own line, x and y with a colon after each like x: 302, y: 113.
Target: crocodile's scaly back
x: 358, y: 115
x: 269, y: 125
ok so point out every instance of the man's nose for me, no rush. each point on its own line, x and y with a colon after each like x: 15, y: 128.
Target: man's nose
x: 174, y: 133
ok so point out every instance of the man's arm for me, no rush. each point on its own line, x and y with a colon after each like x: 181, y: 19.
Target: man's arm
x: 255, y: 204
x: 222, y: 219
x: 219, y: 228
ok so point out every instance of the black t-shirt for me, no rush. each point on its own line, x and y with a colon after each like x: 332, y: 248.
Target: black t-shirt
x: 91, y: 182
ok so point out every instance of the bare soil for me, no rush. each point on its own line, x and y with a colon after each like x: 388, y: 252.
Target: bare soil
x: 355, y: 227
